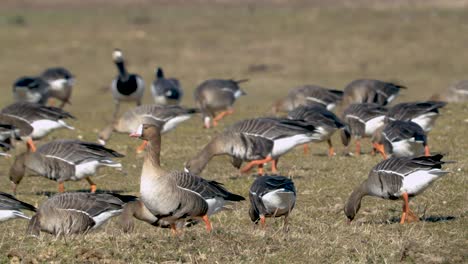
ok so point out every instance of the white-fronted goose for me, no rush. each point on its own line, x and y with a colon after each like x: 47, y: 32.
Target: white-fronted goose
x: 63, y: 160
x: 258, y: 141
x: 61, y: 83
x: 422, y: 113
x: 370, y: 91
x: 308, y: 95
x: 166, y: 91
x: 31, y: 89
x: 362, y: 120
x: 271, y: 196
x: 456, y: 93
x: 126, y: 86
x: 217, y: 95
x: 10, y: 207
x: 76, y: 213
x: 325, y: 122
x: 397, y: 178
x: 8, y: 134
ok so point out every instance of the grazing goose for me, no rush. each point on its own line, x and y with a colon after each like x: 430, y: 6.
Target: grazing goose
x: 31, y: 89
x: 63, y: 160
x: 126, y: 86
x: 10, y: 207
x: 76, y: 213
x: 60, y: 83
x: 456, y: 93
x: 397, y: 178
x: 422, y: 113
x: 370, y: 91
x: 8, y: 134
x: 323, y: 120
x: 217, y: 95
x: 271, y: 196
x: 259, y: 141
x: 166, y: 91
x: 308, y: 95
x: 362, y: 120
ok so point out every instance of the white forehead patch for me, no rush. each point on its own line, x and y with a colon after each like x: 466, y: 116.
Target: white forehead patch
x: 139, y: 130
x: 117, y: 54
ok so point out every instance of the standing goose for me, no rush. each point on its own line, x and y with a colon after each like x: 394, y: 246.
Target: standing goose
x: 308, y: 95
x: 323, y: 120
x: 421, y: 113
x: 362, y: 120
x: 271, y: 196
x: 31, y: 89
x: 63, y: 160
x: 76, y: 213
x: 370, y: 91
x: 126, y: 86
x: 259, y: 141
x: 166, y: 91
x: 10, y: 207
x: 60, y: 83
x: 397, y: 178
x: 217, y: 95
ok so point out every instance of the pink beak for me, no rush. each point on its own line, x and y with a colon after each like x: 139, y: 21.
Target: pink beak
x: 135, y: 135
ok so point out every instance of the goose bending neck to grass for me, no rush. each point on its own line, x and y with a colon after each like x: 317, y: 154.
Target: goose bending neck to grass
x: 422, y: 113
x: 10, y: 207
x: 308, y: 95
x: 370, y: 91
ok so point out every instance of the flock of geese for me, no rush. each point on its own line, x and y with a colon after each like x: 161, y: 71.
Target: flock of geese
x: 178, y: 199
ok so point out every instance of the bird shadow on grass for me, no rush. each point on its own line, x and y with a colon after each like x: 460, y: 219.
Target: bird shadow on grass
x: 49, y: 193
x: 430, y: 219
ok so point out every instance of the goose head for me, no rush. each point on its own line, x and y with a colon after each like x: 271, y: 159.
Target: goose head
x: 117, y: 55
x: 147, y: 132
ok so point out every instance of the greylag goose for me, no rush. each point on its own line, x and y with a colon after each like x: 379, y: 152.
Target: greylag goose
x: 362, y: 120
x: 76, y: 213
x: 323, y: 120
x: 60, y: 83
x: 166, y: 91
x: 422, y: 113
x: 397, y: 178
x: 31, y: 89
x: 456, y: 93
x: 259, y: 141
x: 126, y: 86
x: 63, y: 160
x: 10, y: 207
x: 217, y: 95
x: 308, y: 95
x: 370, y: 91
x: 271, y: 196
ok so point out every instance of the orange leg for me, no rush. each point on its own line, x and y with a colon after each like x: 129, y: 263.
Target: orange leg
x: 207, y: 223
x: 221, y: 115
x: 61, y: 187
x: 260, y: 169
x: 92, y: 184
x: 380, y: 148
x: 426, y: 151
x: 51, y: 102
x: 142, y: 147
x: 31, y: 145
x: 14, y: 188
x: 174, y: 229
x: 274, y: 168
x: 358, y: 147
x: 331, y: 151
x: 306, y: 149
x: 262, y: 221
x: 405, y: 208
x: 249, y: 166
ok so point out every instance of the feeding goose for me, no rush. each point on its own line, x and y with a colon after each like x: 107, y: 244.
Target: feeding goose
x: 31, y: 89
x: 126, y: 86
x: 60, y: 83
x: 217, y: 95
x: 308, y: 95
x: 325, y: 122
x: 10, y: 207
x: 456, y: 93
x: 76, y: 213
x: 259, y: 141
x: 271, y: 196
x: 421, y: 113
x: 166, y: 91
x: 64, y: 160
x: 397, y: 178
x: 8, y: 135
x: 370, y: 91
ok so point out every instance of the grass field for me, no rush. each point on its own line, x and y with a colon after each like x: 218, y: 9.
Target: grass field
x: 277, y: 47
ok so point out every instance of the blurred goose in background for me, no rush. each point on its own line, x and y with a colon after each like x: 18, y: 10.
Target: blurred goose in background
x: 422, y: 113
x: 397, y: 178
x: 8, y: 135
x: 31, y: 89
x: 60, y: 82
x: 64, y: 160
x: 126, y: 86
x: 10, y: 207
x: 166, y: 91
x: 325, y: 122
x: 259, y: 141
x: 308, y: 95
x: 217, y: 95
x: 370, y: 91
x: 456, y: 93
x: 271, y: 196
x: 76, y: 213
x: 362, y: 120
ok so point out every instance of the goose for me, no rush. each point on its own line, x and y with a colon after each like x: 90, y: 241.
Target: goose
x: 76, y: 213
x: 370, y: 91
x: 323, y: 120
x: 60, y: 82
x: 126, y: 86
x: 260, y: 140
x: 271, y: 196
x: 397, y: 178
x: 456, y: 93
x: 8, y: 134
x: 31, y: 89
x: 63, y: 160
x: 166, y: 91
x: 362, y: 120
x: 10, y: 207
x: 308, y: 95
x: 217, y: 95
x: 422, y: 113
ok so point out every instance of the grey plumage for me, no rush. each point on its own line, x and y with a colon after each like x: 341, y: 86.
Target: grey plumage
x: 10, y: 207
x: 309, y: 95
x: 166, y: 91
x: 61, y: 82
x: 422, y: 113
x: 370, y: 91
x: 31, y: 89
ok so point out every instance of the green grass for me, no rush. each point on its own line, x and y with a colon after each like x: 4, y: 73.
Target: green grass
x: 421, y: 47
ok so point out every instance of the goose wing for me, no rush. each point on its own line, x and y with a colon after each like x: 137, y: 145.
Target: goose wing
x: 408, y: 111
x: 30, y: 112
x: 363, y: 112
x: 23, y: 126
x: 317, y: 116
x: 9, y: 202
x: 272, y: 128
x: 401, y: 130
